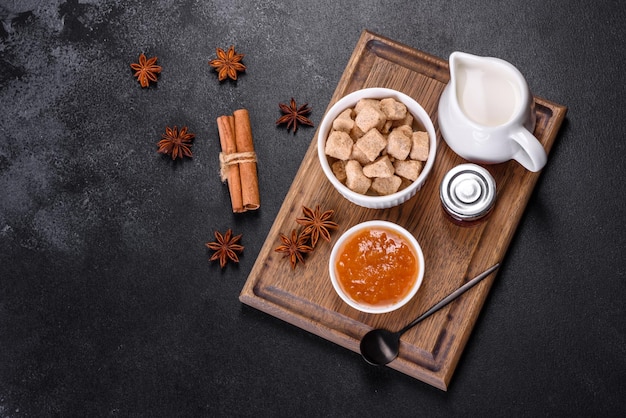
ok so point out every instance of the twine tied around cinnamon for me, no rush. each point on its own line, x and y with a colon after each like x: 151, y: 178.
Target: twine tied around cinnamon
x: 227, y: 160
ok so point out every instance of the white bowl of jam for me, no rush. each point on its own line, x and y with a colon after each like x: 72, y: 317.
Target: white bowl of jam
x: 376, y: 266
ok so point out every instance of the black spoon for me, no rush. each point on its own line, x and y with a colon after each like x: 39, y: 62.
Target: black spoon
x: 379, y: 346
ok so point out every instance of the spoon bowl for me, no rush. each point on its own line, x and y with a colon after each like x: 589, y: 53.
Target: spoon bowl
x: 380, y: 346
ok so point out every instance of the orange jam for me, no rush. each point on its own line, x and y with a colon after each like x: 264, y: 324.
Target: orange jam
x: 376, y: 267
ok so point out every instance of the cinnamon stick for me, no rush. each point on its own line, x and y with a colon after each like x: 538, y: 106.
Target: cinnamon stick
x: 248, y: 167
x: 226, y: 129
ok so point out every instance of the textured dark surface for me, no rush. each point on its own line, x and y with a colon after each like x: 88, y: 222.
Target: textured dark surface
x: 108, y: 304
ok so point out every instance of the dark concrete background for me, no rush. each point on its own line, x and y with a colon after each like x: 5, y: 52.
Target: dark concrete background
x: 108, y: 304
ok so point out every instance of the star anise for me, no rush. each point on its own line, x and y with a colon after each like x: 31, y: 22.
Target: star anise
x: 294, y: 114
x: 227, y: 64
x: 317, y: 223
x: 226, y: 247
x: 176, y: 143
x: 294, y: 247
x: 146, y: 71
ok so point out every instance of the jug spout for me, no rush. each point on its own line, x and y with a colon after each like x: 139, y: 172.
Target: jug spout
x: 457, y: 63
x: 453, y: 63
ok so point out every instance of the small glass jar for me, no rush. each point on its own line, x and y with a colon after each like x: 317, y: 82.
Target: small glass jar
x: 468, y: 193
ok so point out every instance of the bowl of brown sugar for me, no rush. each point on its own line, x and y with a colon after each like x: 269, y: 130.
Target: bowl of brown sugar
x: 377, y: 147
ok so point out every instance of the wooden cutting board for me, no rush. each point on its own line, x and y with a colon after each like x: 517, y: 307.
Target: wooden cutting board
x: 453, y: 254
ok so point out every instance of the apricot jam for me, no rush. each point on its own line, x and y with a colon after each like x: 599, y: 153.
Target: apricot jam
x: 376, y: 266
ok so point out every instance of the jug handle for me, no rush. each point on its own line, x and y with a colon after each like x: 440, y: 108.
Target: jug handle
x: 531, y: 153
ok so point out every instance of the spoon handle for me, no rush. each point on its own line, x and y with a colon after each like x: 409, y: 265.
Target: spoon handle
x: 450, y: 297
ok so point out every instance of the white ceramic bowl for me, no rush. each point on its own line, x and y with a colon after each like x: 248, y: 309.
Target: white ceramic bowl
x: 336, y: 252
x: 418, y: 112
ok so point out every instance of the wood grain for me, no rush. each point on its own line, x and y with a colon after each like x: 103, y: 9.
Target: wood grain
x: 453, y: 254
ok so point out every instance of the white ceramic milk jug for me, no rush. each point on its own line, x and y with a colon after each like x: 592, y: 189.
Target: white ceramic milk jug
x: 486, y: 113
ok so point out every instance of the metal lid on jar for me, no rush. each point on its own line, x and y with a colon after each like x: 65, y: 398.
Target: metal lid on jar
x: 468, y: 192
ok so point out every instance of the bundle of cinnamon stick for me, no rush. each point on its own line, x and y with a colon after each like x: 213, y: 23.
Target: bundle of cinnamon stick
x: 238, y: 160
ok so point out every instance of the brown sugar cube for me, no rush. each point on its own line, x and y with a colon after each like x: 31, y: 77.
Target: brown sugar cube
x: 339, y: 145
x: 375, y: 103
x: 420, y: 146
x: 356, y: 133
x: 398, y: 144
x: 339, y: 170
x: 346, y: 114
x: 405, y: 129
x: 369, y: 118
x: 386, y: 185
x: 405, y: 183
x: 360, y: 156
x: 355, y: 179
x: 386, y: 127
x: 382, y: 167
x: 409, y: 169
x: 372, y: 143
x: 407, y: 120
x: 393, y: 109
x: 344, y: 121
